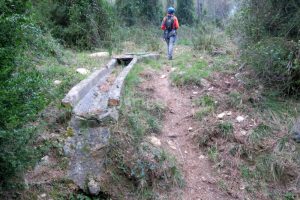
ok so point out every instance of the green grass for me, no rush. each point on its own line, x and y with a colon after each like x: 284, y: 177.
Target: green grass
x: 203, y: 112
x: 213, y: 153
x: 144, y: 116
x: 205, y: 101
x: 189, y: 71
x: 235, y: 99
x: 245, y: 172
x: 225, y: 129
x: 224, y: 64
x: 207, y: 105
x: 259, y: 133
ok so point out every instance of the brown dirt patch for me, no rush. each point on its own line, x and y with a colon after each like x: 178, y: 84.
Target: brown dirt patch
x: 177, y: 137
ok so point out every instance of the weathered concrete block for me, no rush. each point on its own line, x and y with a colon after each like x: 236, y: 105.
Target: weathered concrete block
x: 81, y: 89
x: 115, y: 91
x: 87, y: 151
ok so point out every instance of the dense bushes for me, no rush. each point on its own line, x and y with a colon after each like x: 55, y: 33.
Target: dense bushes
x: 133, y: 12
x: 268, y: 32
x: 185, y: 12
x: 81, y: 24
x: 22, y: 88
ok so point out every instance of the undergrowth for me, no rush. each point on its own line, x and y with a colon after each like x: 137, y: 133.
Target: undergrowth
x: 267, y: 154
x: 189, y: 71
x: 133, y: 163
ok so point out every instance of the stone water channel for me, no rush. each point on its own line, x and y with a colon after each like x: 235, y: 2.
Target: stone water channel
x: 94, y: 103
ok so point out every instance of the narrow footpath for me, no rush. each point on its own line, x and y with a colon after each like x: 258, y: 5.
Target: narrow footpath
x: 177, y: 139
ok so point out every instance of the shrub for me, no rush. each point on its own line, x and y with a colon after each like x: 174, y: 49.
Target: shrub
x: 134, y: 12
x: 206, y: 37
x: 276, y: 61
x: 267, y: 31
x: 185, y: 12
x: 82, y: 24
x: 23, y: 89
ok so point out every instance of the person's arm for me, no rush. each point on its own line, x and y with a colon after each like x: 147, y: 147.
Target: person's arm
x: 163, y: 24
x: 176, y: 23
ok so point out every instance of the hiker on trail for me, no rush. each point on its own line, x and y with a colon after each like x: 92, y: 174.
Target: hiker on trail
x: 169, y: 25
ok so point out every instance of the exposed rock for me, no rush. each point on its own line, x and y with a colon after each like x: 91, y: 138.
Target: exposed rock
x: 205, y: 83
x: 240, y: 119
x: 163, y: 76
x: 57, y: 82
x: 223, y: 114
x: 45, y: 160
x: 296, y: 131
x: 94, y: 187
x: 154, y: 140
x: 99, y: 55
x: 82, y: 71
x: 42, y: 196
x: 244, y: 133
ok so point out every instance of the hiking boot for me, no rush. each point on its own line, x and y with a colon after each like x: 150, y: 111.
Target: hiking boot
x: 170, y: 58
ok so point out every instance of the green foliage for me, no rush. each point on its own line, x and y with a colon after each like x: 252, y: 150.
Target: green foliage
x: 170, y: 3
x: 289, y: 196
x: 143, y: 115
x: 269, y: 34
x: 207, y: 104
x: 23, y: 90
x: 16, y: 154
x: 82, y: 24
x: 213, y: 153
x: 225, y: 129
x: 277, y: 63
x: 204, y: 101
x: 206, y: 37
x: 137, y: 38
x: 185, y: 12
x: 235, y: 99
x: 203, y: 112
x: 189, y: 75
x: 139, y: 12
x: 259, y: 133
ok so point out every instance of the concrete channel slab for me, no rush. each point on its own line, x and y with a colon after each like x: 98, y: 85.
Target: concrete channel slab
x: 95, y: 102
x: 81, y: 89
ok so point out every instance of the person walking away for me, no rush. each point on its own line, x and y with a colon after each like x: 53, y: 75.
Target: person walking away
x: 170, y: 25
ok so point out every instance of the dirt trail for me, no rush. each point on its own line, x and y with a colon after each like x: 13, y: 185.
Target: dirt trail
x: 177, y: 139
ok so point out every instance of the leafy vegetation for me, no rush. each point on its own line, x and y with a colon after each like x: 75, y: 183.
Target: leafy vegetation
x: 139, y: 12
x: 185, y: 12
x: 81, y: 24
x: 269, y: 32
x: 187, y: 73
